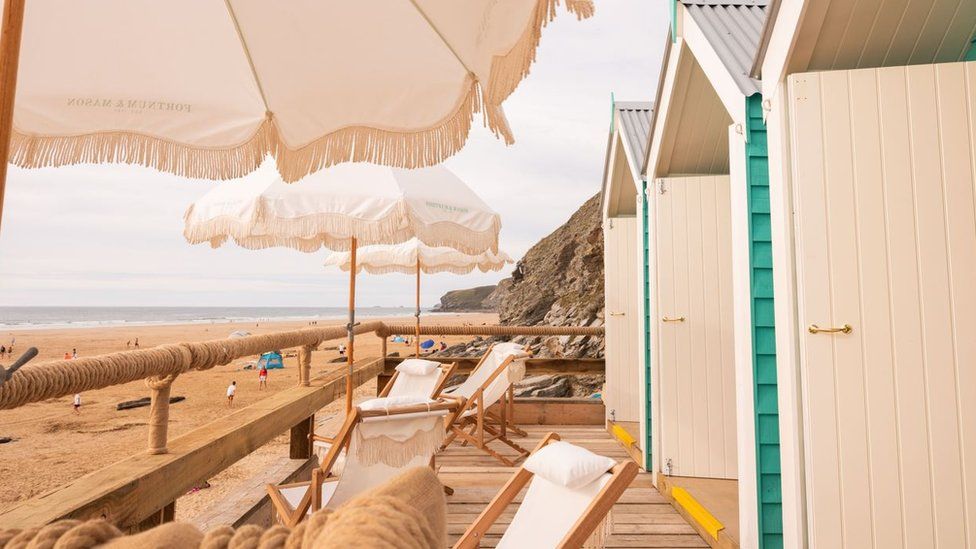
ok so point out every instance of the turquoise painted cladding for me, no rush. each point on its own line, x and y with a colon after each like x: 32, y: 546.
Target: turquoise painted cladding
x: 971, y: 53
x: 646, y: 265
x: 763, y: 332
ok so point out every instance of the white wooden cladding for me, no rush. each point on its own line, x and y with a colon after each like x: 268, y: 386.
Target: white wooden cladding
x: 696, y: 366
x: 885, y: 225
x: 621, y: 251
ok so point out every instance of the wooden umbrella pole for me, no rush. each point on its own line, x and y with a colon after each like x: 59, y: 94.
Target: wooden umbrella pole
x: 13, y: 26
x: 351, y: 328
x: 417, y: 314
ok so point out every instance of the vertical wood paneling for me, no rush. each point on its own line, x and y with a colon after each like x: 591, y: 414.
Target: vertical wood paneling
x: 869, y: 192
x: 697, y: 378
x: 621, y: 250
x: 886, y: 241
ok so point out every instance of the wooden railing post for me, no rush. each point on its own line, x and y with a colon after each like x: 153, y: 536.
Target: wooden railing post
x: 305, y: 365
x: 159, y: 412
x: 300, y: 443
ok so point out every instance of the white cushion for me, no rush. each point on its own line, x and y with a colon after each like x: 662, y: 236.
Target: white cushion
x: 568, y: 465
x: 417, y: 367
x: 392, y: 402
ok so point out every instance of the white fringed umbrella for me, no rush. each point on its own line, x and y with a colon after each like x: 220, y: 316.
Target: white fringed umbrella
x: 414, y: 257
x: 208, y: 88
x: 342, y: 208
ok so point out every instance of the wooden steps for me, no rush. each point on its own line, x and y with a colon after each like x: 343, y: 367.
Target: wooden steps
x: 642, y: 517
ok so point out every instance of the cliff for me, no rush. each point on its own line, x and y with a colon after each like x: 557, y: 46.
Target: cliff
x: 469, y: 300
x: 559, y: 282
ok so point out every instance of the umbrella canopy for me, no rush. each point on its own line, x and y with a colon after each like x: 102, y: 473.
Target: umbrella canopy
x: 373, y: 204
x: 405, y: 258
x: 344, y: 207
x: 208, y: 88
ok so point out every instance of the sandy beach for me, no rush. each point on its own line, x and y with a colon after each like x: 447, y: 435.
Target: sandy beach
x: 51, y: 444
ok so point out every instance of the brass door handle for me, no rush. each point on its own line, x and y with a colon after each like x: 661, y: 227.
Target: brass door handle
x: 617, y: 314
x: 676, y: 319
x: 814, y: 329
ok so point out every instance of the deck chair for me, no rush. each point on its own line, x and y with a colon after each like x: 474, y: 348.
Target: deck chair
x: 380, y: 440
x: 419, y: 377
x: 491, y: 382
x: 553, y: 514
x: 412, y: 378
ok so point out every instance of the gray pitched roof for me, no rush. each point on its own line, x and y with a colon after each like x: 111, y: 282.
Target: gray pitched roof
x: 635, y: 127
x: 734, y: 29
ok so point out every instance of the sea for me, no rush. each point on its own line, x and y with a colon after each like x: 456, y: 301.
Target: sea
x: 27, y: 318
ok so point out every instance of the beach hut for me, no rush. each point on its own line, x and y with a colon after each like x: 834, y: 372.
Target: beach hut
x: 625, y: 247
x: 712, y: 366
x: 870, y: 112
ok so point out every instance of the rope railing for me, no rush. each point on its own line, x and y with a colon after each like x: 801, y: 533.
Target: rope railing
x: 38, y: 382
x: 439, y: 329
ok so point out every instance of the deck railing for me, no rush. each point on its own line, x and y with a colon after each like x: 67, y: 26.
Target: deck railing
x: 141, y: 489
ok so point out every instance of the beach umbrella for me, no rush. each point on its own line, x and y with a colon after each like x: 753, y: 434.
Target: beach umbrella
x: 209, y: 88
x: 414, y: 257
x: 342, y: 208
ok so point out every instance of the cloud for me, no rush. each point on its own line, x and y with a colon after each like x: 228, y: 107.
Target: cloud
x: 112, y: 235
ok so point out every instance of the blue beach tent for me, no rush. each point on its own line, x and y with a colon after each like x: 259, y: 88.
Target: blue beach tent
x: 271, y: 361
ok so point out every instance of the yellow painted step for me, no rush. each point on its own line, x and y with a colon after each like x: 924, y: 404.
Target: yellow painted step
x: 696, y: 511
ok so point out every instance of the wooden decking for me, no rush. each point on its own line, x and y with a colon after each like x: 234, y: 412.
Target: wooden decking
x: 642, y: 518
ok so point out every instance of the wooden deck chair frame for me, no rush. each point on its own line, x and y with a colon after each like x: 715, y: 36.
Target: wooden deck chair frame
x: 505, y: 420
x: 447, y: 370
x: 482, y: 427
x: 622, y: 475
x: 323, y: 473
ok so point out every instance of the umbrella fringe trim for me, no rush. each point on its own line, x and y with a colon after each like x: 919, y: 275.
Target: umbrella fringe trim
x: 399, y: 269
x: 508, y: 70
x: 397, y: 148
x: 312, y: 232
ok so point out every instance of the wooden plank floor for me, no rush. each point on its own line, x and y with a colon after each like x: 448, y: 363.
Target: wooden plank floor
x: 642, y: 517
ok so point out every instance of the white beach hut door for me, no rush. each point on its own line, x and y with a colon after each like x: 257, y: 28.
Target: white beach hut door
x: 885, y: 220
x: 621, y: 247
x: 694, y: 289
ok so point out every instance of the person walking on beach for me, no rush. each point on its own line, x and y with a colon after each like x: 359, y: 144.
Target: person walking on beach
x: 67, y: 355
x: 74, y: 353
x: 263, y: 377
x: 342, y: 349
x: 231, y: 390
x: 137, y: 343
x: 77, y: 403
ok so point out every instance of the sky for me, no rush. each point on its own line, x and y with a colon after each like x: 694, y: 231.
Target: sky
x: 111, y: 235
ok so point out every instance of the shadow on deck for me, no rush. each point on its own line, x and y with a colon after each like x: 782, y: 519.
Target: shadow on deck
x: 642, y: 517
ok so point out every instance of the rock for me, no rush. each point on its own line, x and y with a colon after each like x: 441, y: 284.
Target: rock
x: 338, y: 360
x: 144, y: 401
x: 4, y: 440
x: 393, y: 354
x: 561, y: 388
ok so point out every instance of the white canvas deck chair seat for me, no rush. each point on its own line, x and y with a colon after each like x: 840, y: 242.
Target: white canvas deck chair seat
x: 419, y: 378
x: 381, y: 438
x: 571, y: 492
x: 491, y: 382
x: 412, y: 378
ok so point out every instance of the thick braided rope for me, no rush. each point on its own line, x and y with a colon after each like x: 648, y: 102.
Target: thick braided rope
x: 436, y: 329
x: 387, y: 521
x: 159, y: 412
x: 37, y: 382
